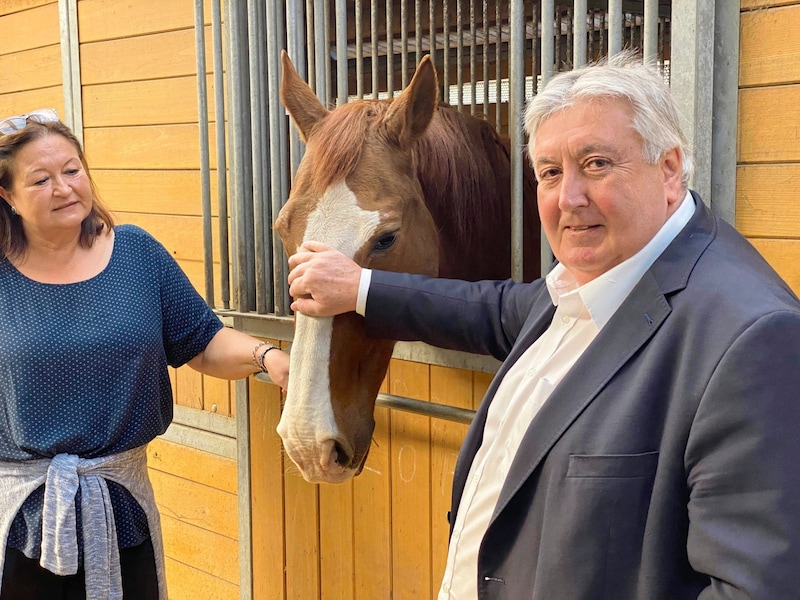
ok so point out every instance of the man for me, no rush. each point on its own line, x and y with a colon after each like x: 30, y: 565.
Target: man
x: 640, y: 439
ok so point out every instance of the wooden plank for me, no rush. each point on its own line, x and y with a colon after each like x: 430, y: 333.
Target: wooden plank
x: 154, y: 147
x: 149, y: 102
x: 207, y: 552
x: 411, y: 477
x: 10, y: 8
x: 761, y: 4
x: 302, y: 525
x: 336, y: 547
x: 189, y: 384
x: 192, y: 464
x: 32, y: 28
x: 372, y: 505
x: 266, y: 492
x: 181, y: 236
x: 763, y: 134
x: 17, y: 103
x: 187, y: 583
x: 766, y: 200
x: 195, y: 503
x: 217, y: 395
x: 770, y: 46
x: 453, y: 387
x: 31, y: 69
x: 154, y: 192
x: 109, y: 19
x: 784, y: 256
x: 156, y: 56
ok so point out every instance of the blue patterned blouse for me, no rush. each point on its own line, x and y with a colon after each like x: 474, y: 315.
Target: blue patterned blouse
x: 83, y: 367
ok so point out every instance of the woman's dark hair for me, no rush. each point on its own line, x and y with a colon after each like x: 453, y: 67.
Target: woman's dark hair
x: 13, y: 242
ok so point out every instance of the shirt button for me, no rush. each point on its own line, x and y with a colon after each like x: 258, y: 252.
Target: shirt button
x: 531, y: 372
x: 565, y: 319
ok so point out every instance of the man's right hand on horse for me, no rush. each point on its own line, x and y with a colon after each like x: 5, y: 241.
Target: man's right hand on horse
x: 323, y: 282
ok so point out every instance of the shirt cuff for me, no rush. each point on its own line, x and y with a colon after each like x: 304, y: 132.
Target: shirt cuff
x: 363, y: 291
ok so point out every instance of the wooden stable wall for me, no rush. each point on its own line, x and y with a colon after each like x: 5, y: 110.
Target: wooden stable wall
x: 768, y: 172
x: 383, y: 535
x: 139, y: 93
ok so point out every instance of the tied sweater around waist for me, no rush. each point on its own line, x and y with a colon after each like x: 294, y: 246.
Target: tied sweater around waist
x: 62, y: 475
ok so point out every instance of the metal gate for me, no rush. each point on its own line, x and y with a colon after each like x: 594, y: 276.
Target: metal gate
x: 490, y: 56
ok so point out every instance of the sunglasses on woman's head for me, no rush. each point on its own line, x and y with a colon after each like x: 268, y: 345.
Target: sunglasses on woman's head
x: 43, y: 115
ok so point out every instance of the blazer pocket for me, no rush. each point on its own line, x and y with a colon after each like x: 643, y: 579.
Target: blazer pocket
x: 612, y: 465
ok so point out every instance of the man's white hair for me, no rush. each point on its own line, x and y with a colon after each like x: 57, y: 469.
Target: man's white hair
x: 655, y: 114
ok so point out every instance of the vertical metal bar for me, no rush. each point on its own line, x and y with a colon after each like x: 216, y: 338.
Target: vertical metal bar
x: 473, y: 78
x: 403, y: 44
x: 341, y: 52
x: 446, y: 51
x: 418, y: 49
x: 726, y: 107
x: 373, y: 19
x: 579, y: 34
x: 222, y: 170
x: 320, y: 52
x: 71, y: 67
x: 258, y: 116
x: 614, y: 26
x: 498, y: 73
x: 205, y: 169
x: 459, y: 55
x: 516, y: 106
x: 243, y: 488
x: 275, y: 139
x: 692, y: 81
x: 311, y: 41
x: 241, y: 165
x: 650, y: 41
x: 296, y: 47
x: 431, y: 33
x: 485, y: 55
x: 389, y: 49
x: 548, y: 54
x: 546, y: 252
x: 359, y: 48
x: 327, y: 51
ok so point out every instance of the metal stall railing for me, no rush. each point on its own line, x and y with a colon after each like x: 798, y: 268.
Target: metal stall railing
x: 491, y: 57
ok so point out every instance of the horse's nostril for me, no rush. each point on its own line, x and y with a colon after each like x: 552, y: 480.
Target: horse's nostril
x: 342, y: 458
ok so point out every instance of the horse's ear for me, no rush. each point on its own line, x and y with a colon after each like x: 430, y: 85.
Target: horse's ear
x: 411, y: 112
x: 301, y: 103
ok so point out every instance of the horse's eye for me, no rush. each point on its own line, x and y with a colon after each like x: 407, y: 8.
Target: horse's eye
x: 385, y: 242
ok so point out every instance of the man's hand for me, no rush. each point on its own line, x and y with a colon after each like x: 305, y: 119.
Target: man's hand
x: 323, y: 281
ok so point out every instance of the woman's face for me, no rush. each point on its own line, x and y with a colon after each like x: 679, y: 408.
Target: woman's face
x: 51, y: 191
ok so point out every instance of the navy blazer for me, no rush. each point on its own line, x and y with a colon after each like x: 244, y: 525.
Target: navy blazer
x: 666, y: 464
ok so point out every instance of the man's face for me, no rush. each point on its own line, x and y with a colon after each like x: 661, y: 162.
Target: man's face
x: 600, y: 201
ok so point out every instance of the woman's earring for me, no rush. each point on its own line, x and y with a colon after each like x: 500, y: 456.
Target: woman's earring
x: 13, y: 210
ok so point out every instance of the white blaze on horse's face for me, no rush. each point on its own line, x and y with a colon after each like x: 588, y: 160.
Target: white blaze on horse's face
x: 308, y: 426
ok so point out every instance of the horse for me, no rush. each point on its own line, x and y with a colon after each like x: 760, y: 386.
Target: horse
x: 410, y: 185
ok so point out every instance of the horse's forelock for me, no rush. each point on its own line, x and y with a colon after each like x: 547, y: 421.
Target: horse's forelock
x: 339, y: 142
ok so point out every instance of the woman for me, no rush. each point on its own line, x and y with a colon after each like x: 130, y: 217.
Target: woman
x: 90, y: 317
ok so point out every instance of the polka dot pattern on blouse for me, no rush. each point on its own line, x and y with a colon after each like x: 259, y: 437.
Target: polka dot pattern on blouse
x: 83, y: 366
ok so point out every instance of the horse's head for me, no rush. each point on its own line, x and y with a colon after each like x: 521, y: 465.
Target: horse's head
x: 356, y: 190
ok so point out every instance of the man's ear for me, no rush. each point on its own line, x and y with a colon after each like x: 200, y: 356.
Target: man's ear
x: 671, y: 163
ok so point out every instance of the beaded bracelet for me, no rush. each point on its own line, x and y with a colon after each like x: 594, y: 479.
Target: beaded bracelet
x: 261, y: 364
x: 255, y: 357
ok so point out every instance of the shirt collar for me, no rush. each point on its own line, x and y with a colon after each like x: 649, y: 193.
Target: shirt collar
x: 604, y: 294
